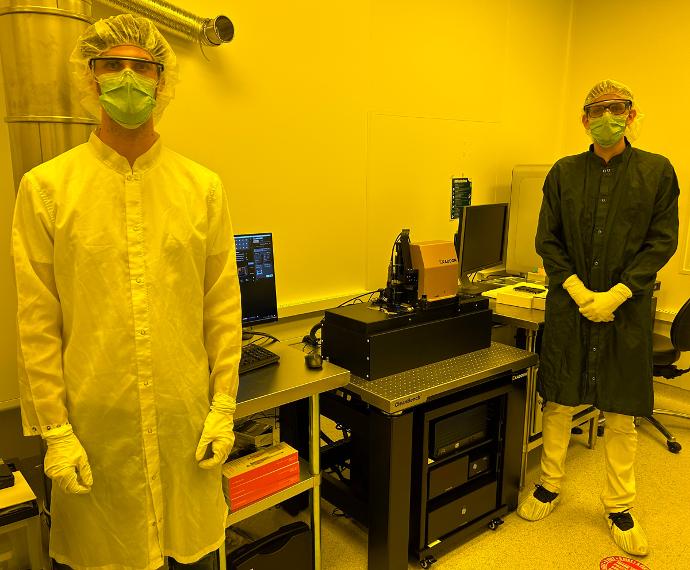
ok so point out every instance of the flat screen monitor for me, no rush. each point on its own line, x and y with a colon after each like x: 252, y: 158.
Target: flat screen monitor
x: 256, y: 272
x: 481, y: 239
x: 525, y: 202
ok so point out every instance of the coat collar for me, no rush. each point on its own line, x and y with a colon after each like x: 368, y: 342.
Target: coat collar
x: 115, y: 161
x: 616, y: 159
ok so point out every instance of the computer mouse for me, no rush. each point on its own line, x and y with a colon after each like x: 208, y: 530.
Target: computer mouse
x: 313, y: 360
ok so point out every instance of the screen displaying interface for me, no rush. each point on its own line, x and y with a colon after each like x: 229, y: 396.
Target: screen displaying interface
x: 256, y: 272
x: 481, y: 237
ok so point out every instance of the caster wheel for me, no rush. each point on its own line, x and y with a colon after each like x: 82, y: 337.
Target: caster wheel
x: 423, y: 563
x: 674, y: 446
x: 427, y: 562
x: 600, y: 431
x: 494, y: 524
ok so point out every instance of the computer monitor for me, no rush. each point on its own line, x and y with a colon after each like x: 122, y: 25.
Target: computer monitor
x: 256, y: 272
x: 525, y: 203
x: 481, y: 240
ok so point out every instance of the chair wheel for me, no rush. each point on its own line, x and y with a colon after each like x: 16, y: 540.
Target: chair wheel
x: 674, y: 446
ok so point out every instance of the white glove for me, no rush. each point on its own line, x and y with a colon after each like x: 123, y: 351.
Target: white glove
x: 577, y: 290
x: 66, y: 462
x: 604, y: 304
x: 218, y: 431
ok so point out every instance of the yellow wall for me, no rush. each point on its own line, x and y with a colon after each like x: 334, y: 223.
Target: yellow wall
x: 334, y: 125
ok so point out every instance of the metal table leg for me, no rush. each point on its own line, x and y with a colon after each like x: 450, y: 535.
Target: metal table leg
x: 390, y: 479
x: 530, y: 403
x: 315, y: 468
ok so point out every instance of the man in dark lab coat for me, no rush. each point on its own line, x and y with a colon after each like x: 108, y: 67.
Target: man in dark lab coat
x: 608, y: 223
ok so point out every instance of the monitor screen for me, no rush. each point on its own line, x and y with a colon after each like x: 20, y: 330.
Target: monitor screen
x: 481, y: 237
x: 256, y: 272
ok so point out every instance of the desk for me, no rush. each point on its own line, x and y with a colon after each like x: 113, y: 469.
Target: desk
x: 387, y: 407
x: 531, y: 321
x: 276, y: 385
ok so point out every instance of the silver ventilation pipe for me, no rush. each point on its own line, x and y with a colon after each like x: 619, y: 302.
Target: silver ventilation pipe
x: 207, y: 31
x: 44, y: 116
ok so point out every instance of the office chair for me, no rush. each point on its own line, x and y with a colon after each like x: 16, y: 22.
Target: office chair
x: 666, y: 352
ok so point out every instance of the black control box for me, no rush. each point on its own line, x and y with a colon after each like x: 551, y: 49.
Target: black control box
x: 373, y: 343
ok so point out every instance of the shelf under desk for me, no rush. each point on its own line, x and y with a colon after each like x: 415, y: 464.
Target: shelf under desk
x: 272, y: 386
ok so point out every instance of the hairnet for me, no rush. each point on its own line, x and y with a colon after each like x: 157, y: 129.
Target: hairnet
x: 618, y: 91
x: 123, y: 29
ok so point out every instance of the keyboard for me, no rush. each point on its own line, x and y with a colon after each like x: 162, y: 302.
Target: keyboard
x: 255, y: 356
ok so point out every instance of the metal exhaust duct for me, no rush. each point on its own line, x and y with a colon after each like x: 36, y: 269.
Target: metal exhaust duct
x: 207, y: 31
x: 44, y: 116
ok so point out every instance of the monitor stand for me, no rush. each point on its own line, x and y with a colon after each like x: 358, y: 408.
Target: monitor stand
x: 468, y: 287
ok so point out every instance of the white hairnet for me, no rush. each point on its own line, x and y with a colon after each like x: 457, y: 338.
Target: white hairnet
x: 123, y: 29
x: 617, y: 90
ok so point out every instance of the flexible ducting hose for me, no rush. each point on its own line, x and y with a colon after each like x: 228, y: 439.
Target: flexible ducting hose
x: 208, y: 31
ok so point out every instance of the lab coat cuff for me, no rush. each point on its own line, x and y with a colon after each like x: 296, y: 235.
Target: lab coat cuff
x: 56, y: 431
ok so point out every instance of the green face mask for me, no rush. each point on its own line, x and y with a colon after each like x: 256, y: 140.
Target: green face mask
x: 608, y: 129
x: 127, y: 97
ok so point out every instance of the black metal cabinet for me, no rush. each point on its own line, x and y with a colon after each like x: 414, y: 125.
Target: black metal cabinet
x: 465, y: 465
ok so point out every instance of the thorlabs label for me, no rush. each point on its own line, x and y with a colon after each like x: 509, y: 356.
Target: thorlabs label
x: 621, y: 563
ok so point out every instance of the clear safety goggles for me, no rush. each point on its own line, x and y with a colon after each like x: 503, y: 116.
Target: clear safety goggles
x: 112, y: 64
x: 613, y: 106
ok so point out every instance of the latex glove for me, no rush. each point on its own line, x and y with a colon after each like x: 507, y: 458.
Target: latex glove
x: 577, y: 290
x: 218, y: 431
x: 66, y: 462
x: 604, y: 304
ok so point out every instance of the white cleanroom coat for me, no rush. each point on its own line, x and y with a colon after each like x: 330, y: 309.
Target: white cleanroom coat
x: 128, y: 323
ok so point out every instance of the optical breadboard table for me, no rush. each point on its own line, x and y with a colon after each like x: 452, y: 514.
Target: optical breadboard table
x: 383, y: 413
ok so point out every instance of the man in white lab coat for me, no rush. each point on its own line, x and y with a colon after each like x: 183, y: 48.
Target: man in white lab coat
x: 129, y: 327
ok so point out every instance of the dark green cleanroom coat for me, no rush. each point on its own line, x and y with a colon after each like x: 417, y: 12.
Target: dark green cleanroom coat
x: 607, y: 223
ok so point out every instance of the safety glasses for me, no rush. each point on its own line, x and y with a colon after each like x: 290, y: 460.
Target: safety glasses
x: 112, y: 64
x: 614, y: 106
